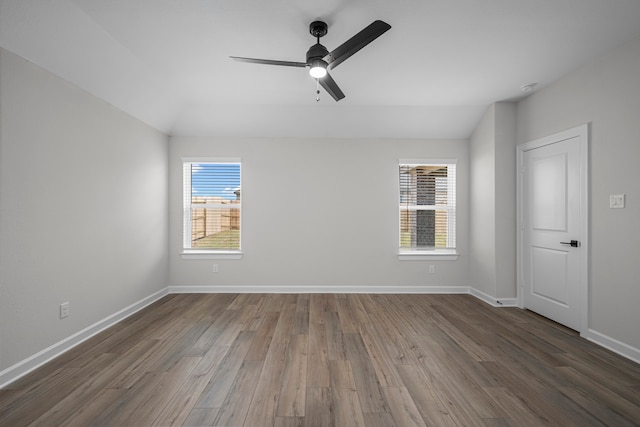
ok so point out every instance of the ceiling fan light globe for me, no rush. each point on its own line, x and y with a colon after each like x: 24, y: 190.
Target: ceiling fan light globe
x: 318, y: 72
x: 318, y: 69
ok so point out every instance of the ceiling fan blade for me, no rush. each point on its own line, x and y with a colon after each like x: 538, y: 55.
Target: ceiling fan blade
x: 357, y: 42
x: 331, y: 87
x: 269, y: 62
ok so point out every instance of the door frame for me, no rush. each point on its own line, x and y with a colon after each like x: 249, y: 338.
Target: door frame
x: 582, y: 132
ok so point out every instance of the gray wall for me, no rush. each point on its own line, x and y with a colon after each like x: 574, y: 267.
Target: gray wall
x: 492, y: 160
x: 606, y: 94
x: 482, y: 160
x: 319, y: 212
x: 505, y: 220
x: 83, y: 218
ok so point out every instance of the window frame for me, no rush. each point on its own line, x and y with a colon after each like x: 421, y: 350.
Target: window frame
x: 187, y: 251
x: 428, y: 253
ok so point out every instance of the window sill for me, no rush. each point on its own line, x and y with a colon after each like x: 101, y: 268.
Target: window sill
x: 189, y: 255
x: 434, y: 255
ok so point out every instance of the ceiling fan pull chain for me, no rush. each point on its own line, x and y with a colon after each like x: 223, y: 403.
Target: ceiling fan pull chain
x: 317, y: 90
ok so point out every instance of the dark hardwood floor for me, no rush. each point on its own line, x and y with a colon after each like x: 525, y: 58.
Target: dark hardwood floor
x: 329, y: 360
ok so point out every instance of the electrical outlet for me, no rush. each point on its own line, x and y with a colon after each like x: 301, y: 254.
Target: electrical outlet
x: 64, y: 310
x: 214, y: 269
x: 432, y: 269
x: 616, y: 201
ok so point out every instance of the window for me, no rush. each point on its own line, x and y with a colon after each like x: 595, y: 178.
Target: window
x: 211, y: 206
x: 427, y: 207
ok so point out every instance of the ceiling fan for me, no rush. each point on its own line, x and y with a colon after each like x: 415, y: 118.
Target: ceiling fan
x: 320, y: 60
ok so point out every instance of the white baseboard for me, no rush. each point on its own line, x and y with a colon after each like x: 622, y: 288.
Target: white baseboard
x: 27, y: 365
x: 213, y: 289
x: 612, y: 344
x: 496, y: 302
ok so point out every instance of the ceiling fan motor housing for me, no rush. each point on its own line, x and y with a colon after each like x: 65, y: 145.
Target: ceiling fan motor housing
x: 317, y: 51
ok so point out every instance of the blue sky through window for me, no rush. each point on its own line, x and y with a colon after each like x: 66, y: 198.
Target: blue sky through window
x: 215, y: 179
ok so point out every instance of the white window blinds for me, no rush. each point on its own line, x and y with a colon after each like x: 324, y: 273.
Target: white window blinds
x: 427, y: 205
x: 212, y: 204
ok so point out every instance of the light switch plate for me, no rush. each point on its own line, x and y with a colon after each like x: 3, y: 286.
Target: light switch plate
x: 616, y: 201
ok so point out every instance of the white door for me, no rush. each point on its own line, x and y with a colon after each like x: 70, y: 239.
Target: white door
x: 553, y: 227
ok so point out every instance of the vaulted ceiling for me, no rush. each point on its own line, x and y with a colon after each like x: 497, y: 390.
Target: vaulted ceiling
x: 432, y: 75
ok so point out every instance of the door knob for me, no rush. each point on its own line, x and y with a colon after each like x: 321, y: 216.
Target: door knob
x: 573, y: 243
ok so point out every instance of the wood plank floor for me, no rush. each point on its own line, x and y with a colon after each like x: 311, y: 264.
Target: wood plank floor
x: 329, y: 360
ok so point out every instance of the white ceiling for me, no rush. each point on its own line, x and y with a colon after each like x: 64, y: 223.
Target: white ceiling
x: 432, y: 75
